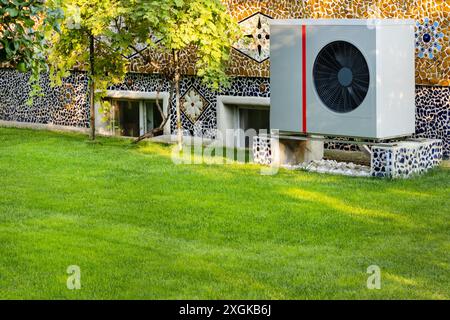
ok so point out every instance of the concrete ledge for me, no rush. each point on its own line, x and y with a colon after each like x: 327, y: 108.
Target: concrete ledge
x: 269, y: 151
x: 292, y: 152
x: 55, y: 128
x: 40, y: 126
x: 187, y: 140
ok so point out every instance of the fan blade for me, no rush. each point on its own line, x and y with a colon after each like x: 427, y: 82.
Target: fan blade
x: 329, y: 62
x: 331, y: 59
x: 353, y: 95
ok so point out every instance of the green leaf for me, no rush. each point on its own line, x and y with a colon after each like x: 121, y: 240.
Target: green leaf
x: 13, y: 12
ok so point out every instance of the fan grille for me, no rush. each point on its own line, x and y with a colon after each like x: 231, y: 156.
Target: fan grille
x: 341, y: 76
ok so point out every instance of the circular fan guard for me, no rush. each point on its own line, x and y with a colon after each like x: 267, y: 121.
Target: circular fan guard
x: 341, y: 76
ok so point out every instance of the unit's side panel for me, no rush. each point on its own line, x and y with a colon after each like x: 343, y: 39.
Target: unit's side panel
x: 395, y: 81
x: 286, y: 78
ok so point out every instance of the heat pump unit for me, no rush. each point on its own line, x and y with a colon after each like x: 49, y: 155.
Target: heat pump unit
x: 351, y: 78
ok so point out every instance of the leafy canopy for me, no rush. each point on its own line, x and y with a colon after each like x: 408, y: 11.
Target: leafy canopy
x: 83, y: 19
x: 202, y: 26
x: 25, y: 27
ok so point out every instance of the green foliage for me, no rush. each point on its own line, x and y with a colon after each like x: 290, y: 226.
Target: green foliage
x: 207, y: 26
x: 85, y: 18
x: 202, y: 26
x: 24, y: 28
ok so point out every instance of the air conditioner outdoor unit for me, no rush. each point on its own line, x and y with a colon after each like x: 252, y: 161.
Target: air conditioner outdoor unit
x: 351, y: 78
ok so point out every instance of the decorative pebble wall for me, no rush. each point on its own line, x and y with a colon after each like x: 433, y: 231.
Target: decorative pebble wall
x: 262, y: 150
x: 67, y: 105
x: 403, y: 160
x: 250, y: 65
x: 406, y: 159
x: 432, y: 29
x: 250, y: 58
x: 204, y: 120
x: 433, y: 115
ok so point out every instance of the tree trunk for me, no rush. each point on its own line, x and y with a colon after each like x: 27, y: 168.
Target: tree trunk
x: 177, y: 99
x: 165, y: 117
x: 91, y: 89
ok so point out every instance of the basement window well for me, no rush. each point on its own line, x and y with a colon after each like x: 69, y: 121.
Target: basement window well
x: 252, y: 117
x: 132, y: 118
x: 241, y: 118
x: 132, y: 113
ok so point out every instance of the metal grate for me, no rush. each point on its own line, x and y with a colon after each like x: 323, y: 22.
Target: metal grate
x: 341, y: 76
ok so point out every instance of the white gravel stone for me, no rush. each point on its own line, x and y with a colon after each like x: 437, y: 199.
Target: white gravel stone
x: 333, y: 167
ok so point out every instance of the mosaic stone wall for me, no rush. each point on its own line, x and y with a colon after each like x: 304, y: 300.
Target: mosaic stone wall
x: 432, y: 28
x: 200, y: 119
x: 67, y: 105
x: 262, y: 150
x: 251, y: 58
x: 406, y: 159
x: 433, y: 115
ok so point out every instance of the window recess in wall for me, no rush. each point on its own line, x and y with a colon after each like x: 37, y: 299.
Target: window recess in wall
x: 132, y: 118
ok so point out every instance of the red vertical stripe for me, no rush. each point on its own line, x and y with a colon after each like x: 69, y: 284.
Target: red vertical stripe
x: 304, y: 78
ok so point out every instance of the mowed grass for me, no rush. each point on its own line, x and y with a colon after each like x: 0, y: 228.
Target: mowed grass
x: 141, y: 227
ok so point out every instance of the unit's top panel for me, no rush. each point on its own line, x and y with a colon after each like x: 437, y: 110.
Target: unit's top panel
x: 343, y: 22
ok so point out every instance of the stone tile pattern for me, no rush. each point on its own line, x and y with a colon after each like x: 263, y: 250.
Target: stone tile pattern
x: 67, y: 105
x: 255, y: 42
x: 341, y: 146
x: 192, y: 104
x: 262, y: 152
x: 400, y: 161
x: 433, y: 115
x: 431, y: 70
x: 406, y: 159
x: 432, y: 32
x: 205, y: 123
x: 429, y: 38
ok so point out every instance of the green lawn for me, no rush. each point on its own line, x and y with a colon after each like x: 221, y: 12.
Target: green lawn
x: 141, y: 227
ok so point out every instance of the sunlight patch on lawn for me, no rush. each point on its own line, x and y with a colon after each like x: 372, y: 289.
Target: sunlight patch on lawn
x: 340, y: 205
x: 399, y: 279
x: 418, y: 286
x: 140, y: 226
x: 407, y: 193
x: 152, y: 148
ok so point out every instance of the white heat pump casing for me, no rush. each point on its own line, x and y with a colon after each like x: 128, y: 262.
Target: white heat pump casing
x: 388, y: 109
